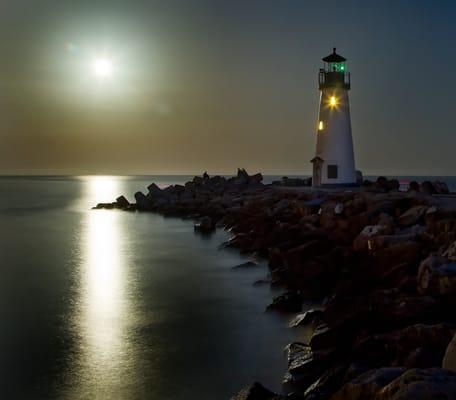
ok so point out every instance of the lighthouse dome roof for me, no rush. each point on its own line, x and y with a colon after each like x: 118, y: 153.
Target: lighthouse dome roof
x: 334, y: 57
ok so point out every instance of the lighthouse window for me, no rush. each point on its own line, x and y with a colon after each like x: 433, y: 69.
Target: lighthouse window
x: 320, y: 126
x: 332, y: 171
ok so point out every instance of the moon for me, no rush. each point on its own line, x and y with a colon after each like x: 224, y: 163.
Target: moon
x: 102, y: 68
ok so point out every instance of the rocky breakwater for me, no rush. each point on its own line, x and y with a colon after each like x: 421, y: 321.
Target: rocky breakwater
x: 382, y: 261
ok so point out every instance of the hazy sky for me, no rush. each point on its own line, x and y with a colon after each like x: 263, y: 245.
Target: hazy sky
x: 213, y: 85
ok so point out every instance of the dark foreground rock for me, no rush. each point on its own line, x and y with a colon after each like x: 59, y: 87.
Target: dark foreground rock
x: 256, y: 391
x: 381, y: 262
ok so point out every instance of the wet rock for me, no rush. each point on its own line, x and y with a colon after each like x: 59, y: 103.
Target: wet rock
x: 437, y: 278
x: 122, y: 202
x: 256, y: 391
x: 449, y: 360
x: 395, y: 308
x: 413, y: 216
x: 306, y: 318
x: 205, y: 225
x: 247, y: 264
x: 142, y: 201
x: 366, y: 386
x: 328, y: 383
x: 450, y: 252
x: 361, y: 243
x: 106, y: 206
x: 287, y: 302
x: 305, y: 365
x: 421, y: 384
x: 154, y: 190
x: 261, y: 282
x: 414, y: 345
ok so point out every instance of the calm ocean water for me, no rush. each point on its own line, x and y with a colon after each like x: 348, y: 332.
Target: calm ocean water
x: 112, y: 305
x: 99, y: 304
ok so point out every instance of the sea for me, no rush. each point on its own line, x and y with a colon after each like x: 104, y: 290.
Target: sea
x: 106, y: 304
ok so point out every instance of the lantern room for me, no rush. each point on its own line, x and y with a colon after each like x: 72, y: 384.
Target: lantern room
x: 334, y: 72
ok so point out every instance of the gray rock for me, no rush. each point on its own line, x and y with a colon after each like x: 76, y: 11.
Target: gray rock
x: 256, y: 391
x: 437, y: 278
x: 421, y: 384
x: 412, y: 216
x: 449, y: 360
x: 367, y: 385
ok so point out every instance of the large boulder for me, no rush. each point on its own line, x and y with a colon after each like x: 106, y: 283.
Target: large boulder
x: 421, y: 384
x: 142, y: 202
x: 305, y: 365
x: 205, y: 225
x: 440, y: 187
x: 256, y: 391
x: 367, y: 385
x: 364, y: 239
x: 122, y: 202
x: 450, y: 252
x: 287, y: 302
x: 413, y: 216
x: 419, y: 345
x: 435, y: 277
x: 449, y: 360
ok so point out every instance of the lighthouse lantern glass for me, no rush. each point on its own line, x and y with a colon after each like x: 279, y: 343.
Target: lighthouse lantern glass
x: 336, y: 67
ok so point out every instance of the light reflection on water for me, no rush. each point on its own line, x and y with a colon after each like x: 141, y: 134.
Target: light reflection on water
x: 113, y: 305
x: 104, y: 308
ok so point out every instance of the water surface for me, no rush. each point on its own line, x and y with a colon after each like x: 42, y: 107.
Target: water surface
x: 98, y: 304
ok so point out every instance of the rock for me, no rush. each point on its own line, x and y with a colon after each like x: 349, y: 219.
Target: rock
x: 326, y: 384
x: 122, y: 202
x: 436, y: 278
x: 421, y: 384
x: 305, y: 318
x: 256, y: 391
x: 305, y: 365
x: 440, y: 187
x: 256, y: 178
x: 427, y: 188
x: 242, y: 177
x: 361, y: 243
x: 393, y: 185
x: 413, y: 186
x: 142, y: 201
x: 423, y: 357
x: 261, y: 282
x: 449, y: 360
x: 367, y: 385
x: 247, y: 264
x: 394, y: 308
x: 413, y: 216
x: 287, y: 302
x: 154, y: 189
x: 338, y: 208
x: 414, y: 345
x: 381, y: 183
x: 450, y: 252
x: 205, y: 225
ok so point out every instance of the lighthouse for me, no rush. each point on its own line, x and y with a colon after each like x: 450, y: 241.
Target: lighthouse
x: 334, y: 161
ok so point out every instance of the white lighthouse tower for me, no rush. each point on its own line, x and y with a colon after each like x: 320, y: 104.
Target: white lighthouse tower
x: 334, y: 161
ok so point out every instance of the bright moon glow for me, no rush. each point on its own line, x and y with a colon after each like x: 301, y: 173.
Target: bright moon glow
x: 333, y: 101
x: 103, y: 68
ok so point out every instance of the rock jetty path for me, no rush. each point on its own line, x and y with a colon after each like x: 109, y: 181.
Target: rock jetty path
x: 382, y: 262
